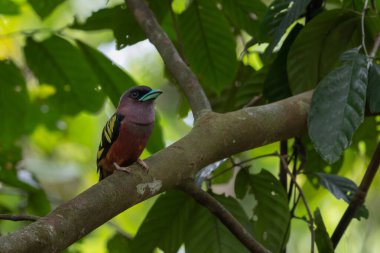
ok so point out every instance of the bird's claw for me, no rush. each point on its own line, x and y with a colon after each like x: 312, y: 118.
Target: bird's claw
x: 124, y: 169
x: 143, y: 164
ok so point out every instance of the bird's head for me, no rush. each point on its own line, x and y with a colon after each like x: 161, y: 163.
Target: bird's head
x: 137, y: 103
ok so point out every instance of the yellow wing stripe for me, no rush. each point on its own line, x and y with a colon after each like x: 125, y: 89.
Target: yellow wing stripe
x: 107, y: 136
x: 109, y: 130
x: 100, y: 152
x: 113, y: 120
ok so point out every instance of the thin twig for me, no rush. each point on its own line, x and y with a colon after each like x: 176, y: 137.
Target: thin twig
x: 311, y: 220
x: 254, y: 101
x: 364, y: 11
x: 224, y: 216
x: 282, y: 174
x: 19, y: 217
x: 359, y: 197
x: 186, y: 79
x: 375, y: 47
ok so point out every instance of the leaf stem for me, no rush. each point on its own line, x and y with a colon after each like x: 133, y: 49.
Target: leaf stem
x: 20, y: 217
x: 364, y: 11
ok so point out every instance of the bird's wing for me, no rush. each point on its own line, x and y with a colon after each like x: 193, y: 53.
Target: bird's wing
x: 109, y: 135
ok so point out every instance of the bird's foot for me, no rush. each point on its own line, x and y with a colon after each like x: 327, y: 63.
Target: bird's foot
x: 143, y: 164
x: 124, y: 169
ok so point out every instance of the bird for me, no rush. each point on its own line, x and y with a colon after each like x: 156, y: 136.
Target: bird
x: 126, y: 133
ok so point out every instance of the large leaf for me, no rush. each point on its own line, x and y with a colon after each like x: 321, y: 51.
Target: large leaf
x: 8, y: 7
x: 271, y: 214
x: 342, y: 188
x: 14, y: 104
x: 337, y: 107
x: 165, y: 224
x: 112, y: 78
x: 373, y: 93
x: 322, y: 238
x: 122, y: 22
x: 119, y: 244
x: 317, y: 48
x: 280, y: 15
x: 57, y: 62
x: 45, y: 7
x: 208, y: 44
x: 156, y: 141
x: 244, y: 14
x: 205, y: 226
x: 276, y: 85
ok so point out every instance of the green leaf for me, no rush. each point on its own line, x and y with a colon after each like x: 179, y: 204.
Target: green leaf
x: 165, y: 224
x: 120, y: 20
x: 322, y: 238
x: 242, y: 183
x: 276, y: 86
x: 57, y: 62
x: 226, y: 168
x: 38, y: 203
x: 344, y: 91
x: 280, y: 15
x: 45, y: 7
x: 373, y: 92
x: 112, y: 78
x: 244, y: 14
x: 271, y: 215
x: 8, y: 7
x: 316, y: 50
x: 14, y: 103
x: 119, y: 244
x: 342, y: 188
x: 156, y: 141
x: 367, y: 133
x: 204, y: 225
x: 208, y: 44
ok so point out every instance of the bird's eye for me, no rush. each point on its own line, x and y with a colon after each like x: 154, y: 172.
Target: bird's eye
x: 134, y: 94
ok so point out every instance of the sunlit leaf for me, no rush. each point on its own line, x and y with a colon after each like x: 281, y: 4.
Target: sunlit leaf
x: 219, y: 239
x: 119, y: 244
x: 165, y: 224
x: 322, y: 238
x: 344, y: 89
x: 112, y: 78
x: 57, y: 62
x: 45, y: 7
x: 8, y: 7
x: 280, y: 15
x: 316, y: 49
x: 208, y: 44
x: 373, y: 92
x: 271, y: 215
x: 223, y: 173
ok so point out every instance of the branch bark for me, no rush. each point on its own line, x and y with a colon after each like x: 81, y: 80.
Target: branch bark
x: 224, y: 216
x: 358, y: 198
x: 186, y: 79
x: 213, y: 137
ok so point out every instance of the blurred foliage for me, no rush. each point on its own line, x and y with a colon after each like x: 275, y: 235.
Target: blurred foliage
x: 65, y: 63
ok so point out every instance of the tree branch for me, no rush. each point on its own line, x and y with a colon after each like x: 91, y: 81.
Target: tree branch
x: 358, y: 198
x: 224, y: 216
x: 181, y: 72
x: 214, y: 136
x: 19, y: 217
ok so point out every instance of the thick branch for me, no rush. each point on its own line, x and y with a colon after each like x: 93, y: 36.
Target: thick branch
x: 224, y: 216
x: 177, y: 67
x: 214, y: 136
x: 358, y: 198
x: 19, y: 217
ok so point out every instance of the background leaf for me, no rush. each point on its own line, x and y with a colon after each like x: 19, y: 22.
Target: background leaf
x: 322, y: 238
x: 57, y: 62
x: 208, y: 44
x: 156, y: 140
x: 114, y: 80
x: 45, y: 7
x: 316, y: 50
x: 373, y: 92
x: 343, y: 89
x: 119, y: 244
x: 219, y: 238
x: 8, y: 7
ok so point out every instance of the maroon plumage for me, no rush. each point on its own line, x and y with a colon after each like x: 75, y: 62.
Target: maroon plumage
x: 126, y: 133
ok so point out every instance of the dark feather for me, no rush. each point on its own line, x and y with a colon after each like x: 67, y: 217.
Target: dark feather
x: 109, y: 135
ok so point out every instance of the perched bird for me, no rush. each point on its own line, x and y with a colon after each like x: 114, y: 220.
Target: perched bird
x: 126, y: 133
